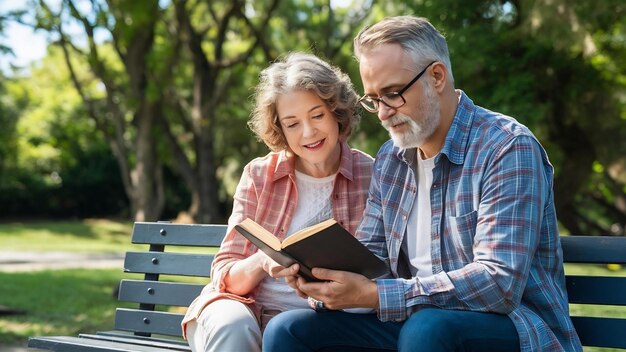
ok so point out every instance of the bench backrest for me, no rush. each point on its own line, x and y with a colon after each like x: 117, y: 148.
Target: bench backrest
x: 155, y: 296
x: 597, y: 290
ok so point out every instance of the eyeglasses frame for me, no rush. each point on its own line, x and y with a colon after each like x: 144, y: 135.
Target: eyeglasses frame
x: 376, y: 101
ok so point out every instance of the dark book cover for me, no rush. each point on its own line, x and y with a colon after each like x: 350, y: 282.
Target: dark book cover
x: 332, y: 247
x: 281, y: 257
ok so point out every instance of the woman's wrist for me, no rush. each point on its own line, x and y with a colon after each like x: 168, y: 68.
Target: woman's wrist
x: 246, y: 274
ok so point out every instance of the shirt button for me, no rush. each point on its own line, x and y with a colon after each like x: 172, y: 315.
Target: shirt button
x: 403, y: 217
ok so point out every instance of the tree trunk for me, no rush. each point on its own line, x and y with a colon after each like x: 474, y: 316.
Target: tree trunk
x: 149, y: 198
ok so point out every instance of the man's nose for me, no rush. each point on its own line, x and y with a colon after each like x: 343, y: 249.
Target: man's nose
x: 385, y: 112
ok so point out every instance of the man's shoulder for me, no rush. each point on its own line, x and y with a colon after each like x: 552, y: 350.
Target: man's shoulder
x: 389, y: 156
x: 494, y: 126
x: 388, y: 148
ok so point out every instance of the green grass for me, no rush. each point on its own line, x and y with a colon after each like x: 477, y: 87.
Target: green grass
x: 91, y: 235
x: 61, y: 302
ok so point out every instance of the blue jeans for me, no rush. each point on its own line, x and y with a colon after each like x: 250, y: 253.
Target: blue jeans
x: 429, y: 329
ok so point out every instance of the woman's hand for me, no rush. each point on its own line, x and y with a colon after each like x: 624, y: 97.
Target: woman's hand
x: 246, y: 274
x: 274, y: 269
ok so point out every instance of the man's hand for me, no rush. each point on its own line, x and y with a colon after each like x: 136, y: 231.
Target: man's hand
x: 340, y: 289
x: 292, y: 280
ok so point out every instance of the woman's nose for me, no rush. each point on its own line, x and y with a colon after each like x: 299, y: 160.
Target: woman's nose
x: 308, y: 129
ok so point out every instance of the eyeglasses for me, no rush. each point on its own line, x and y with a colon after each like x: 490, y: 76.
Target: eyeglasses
x: 393, y: 100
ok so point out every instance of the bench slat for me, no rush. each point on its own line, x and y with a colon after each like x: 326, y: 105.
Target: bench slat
x: 178, y: 234
x: 131, y: 336
x: 153, y: 322
x: 79, y: 344
x: 168, y: 263
x: 601, y: 332
x: 596, y: 289
x: 170, y: 345
x: 594, y: 249
x: 158, y: 292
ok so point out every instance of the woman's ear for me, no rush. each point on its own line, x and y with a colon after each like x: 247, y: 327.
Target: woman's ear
x: 343, y: 135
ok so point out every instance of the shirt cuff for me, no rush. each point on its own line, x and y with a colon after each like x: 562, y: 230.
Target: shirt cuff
x: 391, y: 300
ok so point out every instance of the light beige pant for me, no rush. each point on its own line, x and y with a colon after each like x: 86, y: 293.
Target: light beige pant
x: 224, y: 326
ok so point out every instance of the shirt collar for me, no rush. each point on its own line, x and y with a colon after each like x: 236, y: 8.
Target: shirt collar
x: 286, y: 164
x: 458, y: 135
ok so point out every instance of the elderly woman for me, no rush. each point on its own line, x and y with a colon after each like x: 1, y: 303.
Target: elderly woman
x: 305, y: 111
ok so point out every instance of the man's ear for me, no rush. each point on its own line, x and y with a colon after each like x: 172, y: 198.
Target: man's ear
x: 441, y: 76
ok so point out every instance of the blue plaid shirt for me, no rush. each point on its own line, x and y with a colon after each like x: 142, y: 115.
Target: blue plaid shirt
x: 494, y: 239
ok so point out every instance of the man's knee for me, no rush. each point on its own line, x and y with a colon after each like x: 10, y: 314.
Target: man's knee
x: 428, y: 327
x: 288, y: 322
x: 433, y: 329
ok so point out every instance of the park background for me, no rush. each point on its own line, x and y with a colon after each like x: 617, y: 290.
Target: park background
x: 138, y: 110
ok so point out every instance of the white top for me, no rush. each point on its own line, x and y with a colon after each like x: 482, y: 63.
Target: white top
x: 418, y: 227
x: 314, y: 206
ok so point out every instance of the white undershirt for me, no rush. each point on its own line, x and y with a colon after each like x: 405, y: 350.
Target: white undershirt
x: 419, y: 223
x: 314, y: 206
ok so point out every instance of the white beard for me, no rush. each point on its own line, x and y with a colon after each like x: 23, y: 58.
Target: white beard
x: 418, y: 131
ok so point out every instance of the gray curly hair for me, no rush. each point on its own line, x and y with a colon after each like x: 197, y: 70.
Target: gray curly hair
x: 302, y: 71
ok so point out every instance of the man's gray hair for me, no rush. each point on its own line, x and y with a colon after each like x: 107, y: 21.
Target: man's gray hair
x: 416, y: 35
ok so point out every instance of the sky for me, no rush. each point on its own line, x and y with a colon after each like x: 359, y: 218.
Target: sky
x: 28, y: 46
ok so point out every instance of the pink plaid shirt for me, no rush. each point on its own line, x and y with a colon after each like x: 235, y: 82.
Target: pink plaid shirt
x: 267, y: 194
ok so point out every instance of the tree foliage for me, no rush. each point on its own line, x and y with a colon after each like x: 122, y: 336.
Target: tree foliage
x: 167, y: 86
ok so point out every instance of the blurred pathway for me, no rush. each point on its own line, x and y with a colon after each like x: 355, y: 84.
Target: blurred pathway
x: 33, y: 261
x: 15, y: 348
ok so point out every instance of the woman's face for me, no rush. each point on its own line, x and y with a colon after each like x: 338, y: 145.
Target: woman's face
x: 312, y: 132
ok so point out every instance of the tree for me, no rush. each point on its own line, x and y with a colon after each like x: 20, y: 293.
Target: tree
x: 169, y: 86
x: 558, y: 67
x: 223, y: 40
x: 205, y: 46
x: 124, y: 111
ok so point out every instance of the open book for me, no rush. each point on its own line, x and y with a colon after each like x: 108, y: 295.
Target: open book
x: 324, y: 245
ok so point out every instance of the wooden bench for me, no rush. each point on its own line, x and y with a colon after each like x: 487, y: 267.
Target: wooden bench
x: 152, y: 327
x: 597, y: 290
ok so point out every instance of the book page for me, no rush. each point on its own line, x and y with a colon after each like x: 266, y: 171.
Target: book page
x: 261, y: 233
x: 308, y: 231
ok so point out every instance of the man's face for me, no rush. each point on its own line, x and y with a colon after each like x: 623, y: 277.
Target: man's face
x: 388, y: 69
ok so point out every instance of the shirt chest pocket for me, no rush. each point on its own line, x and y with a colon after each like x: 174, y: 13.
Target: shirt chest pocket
x: 460, y: 231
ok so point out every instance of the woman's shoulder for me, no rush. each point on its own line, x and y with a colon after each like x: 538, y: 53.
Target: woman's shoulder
x: 266, y: 165
x: 263, y: 161
x: 359, y: 164
x: 360, y: 156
